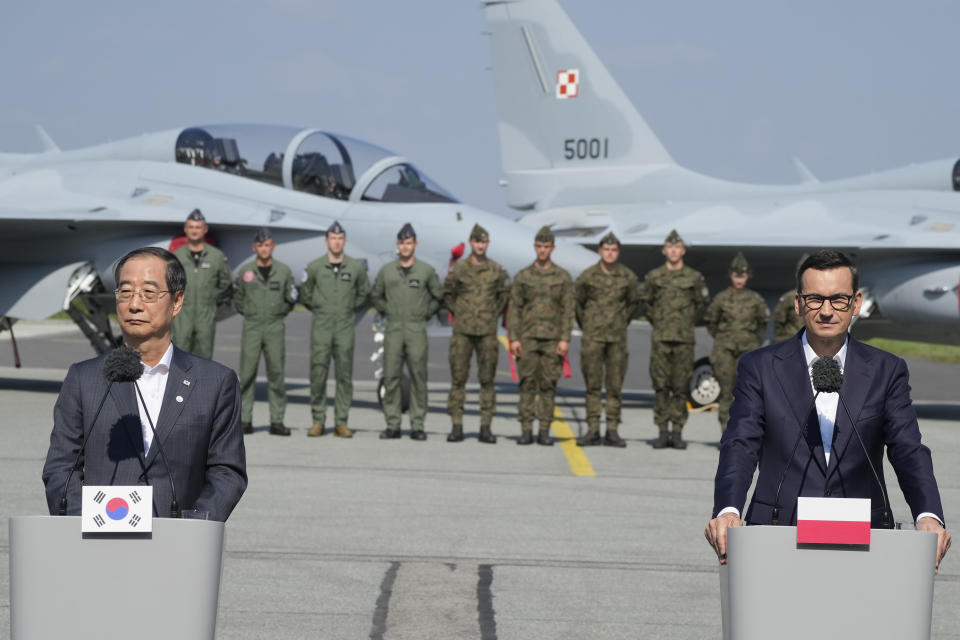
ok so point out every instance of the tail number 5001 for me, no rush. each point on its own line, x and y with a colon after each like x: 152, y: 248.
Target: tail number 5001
x: 585, y: 148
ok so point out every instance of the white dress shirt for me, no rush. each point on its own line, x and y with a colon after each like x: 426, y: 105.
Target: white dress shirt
x: 152, y: 385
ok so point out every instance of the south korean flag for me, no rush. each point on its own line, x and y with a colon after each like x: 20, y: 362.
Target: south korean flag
x: 117, y: 509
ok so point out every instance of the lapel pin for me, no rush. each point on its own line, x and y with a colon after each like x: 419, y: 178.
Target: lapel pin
x: 186, y: 382
x: 179, y: 398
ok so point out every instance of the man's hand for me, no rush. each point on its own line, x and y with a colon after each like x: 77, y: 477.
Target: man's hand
x: 943, y: 537
x: 716, y: 533
x: 515, y: 348
x: 562, y: 347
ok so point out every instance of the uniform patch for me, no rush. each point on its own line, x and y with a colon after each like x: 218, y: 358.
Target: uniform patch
x: 345, y: 276
x: 248, y: 276
x: 204, y: 265
x: 413, y: 284
x: 274, y: 286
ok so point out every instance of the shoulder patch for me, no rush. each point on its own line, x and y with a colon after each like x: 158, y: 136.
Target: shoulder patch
x: 248, y: 276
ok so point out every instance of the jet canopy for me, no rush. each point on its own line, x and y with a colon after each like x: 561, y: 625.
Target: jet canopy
x: 308, y: 160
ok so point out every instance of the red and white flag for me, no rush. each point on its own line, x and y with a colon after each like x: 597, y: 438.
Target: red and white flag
x: 833, y: 521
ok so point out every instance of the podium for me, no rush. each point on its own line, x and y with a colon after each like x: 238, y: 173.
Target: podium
x: 770, y: 588
x: 148, y: 586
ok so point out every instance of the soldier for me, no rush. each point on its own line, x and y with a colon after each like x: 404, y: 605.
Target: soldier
x: 607, y: 296
x: 265, y: 294
x: 335, y: 288
x: 208, y: 285
x: 786, y: 322
x: 407, y: 291
x: 539, y: 318
x: 737, y: 319
x: 674, y: 296
x: 476, y: 292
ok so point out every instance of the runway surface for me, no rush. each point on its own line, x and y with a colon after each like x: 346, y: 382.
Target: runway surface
x: 364, y: 538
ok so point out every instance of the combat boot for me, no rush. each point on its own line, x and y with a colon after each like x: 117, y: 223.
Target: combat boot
x: 663, y: 440
x: 342, y: 431
x: 389, y: 434
x: 316, y: 430
x: 676, y: 440
x: 246, y: 427
x: 486, y: 435
x: 277, y: 429
x: 544, y: 438
x: 612, y: 439
x: 418, y: 434
x: 526, y: 435
x: 456, y: 433
x: 590, y: 438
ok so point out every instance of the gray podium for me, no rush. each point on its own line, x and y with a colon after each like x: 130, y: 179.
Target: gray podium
x: 769, y: 588
x: 63, y: 585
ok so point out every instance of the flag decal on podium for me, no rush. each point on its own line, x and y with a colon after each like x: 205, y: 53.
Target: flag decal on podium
x: 116, y: 509
x: 833, y: 521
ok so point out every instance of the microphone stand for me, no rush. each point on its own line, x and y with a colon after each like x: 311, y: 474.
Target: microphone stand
x: 174, y: 505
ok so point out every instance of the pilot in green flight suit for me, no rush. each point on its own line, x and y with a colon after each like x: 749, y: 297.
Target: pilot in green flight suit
x: 265, y: 294
x: 407, y: 291
x: 208, y: 285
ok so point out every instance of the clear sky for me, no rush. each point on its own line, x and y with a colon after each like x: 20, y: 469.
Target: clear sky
x: 733, y: 89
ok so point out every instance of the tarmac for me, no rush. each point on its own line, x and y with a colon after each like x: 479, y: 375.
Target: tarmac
x: 363, y: 538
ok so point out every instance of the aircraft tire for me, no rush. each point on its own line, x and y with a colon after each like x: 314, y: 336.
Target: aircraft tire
x: 404, y: 393
x: 704, y: 387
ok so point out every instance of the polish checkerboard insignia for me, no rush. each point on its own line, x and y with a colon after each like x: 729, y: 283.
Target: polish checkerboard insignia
x: 568, y: 83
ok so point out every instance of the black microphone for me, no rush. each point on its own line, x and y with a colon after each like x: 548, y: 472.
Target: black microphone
x: 887, y: 516
x: 174, y: 505
x: 827, y: 378
x: 120, y: 365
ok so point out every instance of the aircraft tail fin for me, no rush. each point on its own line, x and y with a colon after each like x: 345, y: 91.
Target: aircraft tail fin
x: 48, y: 144
x: 558, y: 106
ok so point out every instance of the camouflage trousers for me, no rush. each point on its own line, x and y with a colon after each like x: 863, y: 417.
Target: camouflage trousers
x: 462, y: 348
x: 595, y: 357
x: 724, y: 359
x: 538, y: 367
x: 671, y: 367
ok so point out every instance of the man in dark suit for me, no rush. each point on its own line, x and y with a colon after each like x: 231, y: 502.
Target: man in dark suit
x: 192, y: 402
x: 774, y: 390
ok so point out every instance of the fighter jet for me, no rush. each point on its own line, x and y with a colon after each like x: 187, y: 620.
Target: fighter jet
x: 579, y: 157
x: 67, y: 216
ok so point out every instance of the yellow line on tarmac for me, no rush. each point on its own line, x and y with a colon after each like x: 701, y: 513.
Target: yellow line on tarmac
x: 576, y: 456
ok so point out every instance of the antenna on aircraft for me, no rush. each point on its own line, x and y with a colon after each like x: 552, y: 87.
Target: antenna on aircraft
x: 49, y: 146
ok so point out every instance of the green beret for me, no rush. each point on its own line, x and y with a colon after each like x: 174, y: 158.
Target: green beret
x: 610, y: 238
x: 544, y: 235
x: 479, y: 233
x: 739, y: 264
x: 673, y: 238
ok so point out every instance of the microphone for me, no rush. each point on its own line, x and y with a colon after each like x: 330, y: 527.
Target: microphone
x: 827, y: 378
x: 120, y: 365
x: 174, y: 505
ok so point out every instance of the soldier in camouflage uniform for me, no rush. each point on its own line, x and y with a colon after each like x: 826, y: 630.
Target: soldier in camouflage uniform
x: 737, y: 319
x: 335, y: 288
x: 407, y: 291
x: 540, y: 318
x: 265, y: 294
x: 674, y: 297
x: 607, y: 296
x: 786, y: 322
x: 475, y: 291
x: 208, y: 285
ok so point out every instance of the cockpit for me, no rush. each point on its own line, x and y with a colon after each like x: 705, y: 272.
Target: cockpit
x: 308, y: 160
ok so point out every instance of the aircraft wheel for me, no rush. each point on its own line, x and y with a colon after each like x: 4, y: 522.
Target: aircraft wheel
x: 404, y: 393
x: 704, y: 387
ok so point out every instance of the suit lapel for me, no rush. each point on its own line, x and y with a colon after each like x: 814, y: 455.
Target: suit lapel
x: 790, y: 368
x: 857, y: 378
x: 175, y: 397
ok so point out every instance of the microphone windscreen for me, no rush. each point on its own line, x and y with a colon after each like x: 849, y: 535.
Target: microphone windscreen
x: 122, y: 365
x: 827, y: 377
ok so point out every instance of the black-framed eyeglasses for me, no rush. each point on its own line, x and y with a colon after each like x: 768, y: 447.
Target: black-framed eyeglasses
x: 147, y: 295
x: 814, y: 301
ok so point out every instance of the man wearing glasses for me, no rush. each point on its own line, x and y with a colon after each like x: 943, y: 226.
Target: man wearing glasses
x: 774, y: 402
x: 192, y: 403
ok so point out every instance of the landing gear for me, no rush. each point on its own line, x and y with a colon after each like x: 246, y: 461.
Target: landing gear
x: 704, y: 387
x: 90, y: 305
x: 379, y: 326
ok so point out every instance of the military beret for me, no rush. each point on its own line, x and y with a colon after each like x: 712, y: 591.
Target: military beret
x: 263, y: 234
x: 335, y: 228
x: 196, y: 215
x: 479, y: 233
x: 673, y: 237
x: 545, y: 234
x: 407, y: 232
x: 610, y: 238
x: 739, y: 264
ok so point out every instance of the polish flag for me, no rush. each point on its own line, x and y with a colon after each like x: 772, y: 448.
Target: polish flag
x: 833, y: 521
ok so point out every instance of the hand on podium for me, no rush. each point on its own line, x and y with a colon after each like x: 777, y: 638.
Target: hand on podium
x: 943, y: 538
x: 716, y: 533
